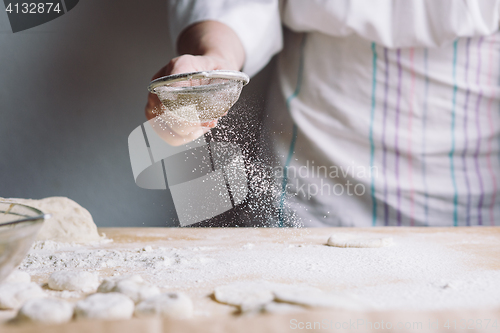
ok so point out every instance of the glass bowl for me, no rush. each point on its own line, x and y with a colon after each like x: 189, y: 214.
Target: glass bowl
x: 19, y: 225
x: 199, y: 97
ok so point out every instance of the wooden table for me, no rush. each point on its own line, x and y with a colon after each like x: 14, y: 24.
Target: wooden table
x: 482, y: 243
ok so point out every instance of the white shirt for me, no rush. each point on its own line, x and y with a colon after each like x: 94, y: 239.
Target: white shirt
x: 386, y: 112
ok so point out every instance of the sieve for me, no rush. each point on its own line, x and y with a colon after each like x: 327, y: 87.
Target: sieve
x: 199, y: 97
x: 19, y: 225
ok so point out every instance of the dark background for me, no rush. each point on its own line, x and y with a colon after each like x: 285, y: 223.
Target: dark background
x: 71, y: 91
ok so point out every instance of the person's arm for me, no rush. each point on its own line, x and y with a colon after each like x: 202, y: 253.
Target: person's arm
x: 207, y: 45
x: 213, y: 39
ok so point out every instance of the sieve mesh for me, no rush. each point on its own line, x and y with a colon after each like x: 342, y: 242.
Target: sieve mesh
x: 200, y: 96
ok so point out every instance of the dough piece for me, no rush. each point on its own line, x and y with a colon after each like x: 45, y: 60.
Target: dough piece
x: 108, y: 284
x: 132, y: 286
x: 13, y: 295
x: 73, y: 281
x: 353, y: 240
x: 247, y: 296
x: 317, y: 299
x: 110, y: 306
x: 18, y: 276
x: 70, y: 222
x: 46, y: 311
x: 171, y: 305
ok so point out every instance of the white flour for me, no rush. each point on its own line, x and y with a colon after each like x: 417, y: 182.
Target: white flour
x: 415, y: 273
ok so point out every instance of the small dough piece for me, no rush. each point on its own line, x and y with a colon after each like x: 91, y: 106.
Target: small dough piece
x: 109, y: 306
x: 317, y: 299
x: 13, y: 295
x: 45, y: 311
x: 353, y: 240
x: 170, y: 305
x: 132, y: 286
x: 245, y: 295
x: 73, y: 281
x: 108, y: 284
x: 18, y: 276
x: 69, y: 223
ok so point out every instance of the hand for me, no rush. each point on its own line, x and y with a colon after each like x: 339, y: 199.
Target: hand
x: 217, y: 47
x: 171, y: 129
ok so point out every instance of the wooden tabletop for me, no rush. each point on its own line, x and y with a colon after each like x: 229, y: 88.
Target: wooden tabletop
x: 481, y: 242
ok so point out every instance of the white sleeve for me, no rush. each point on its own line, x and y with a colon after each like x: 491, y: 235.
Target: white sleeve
x: 396, y: 23
x: 256, y: 22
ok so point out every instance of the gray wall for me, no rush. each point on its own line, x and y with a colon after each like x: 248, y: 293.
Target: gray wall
x: 71, y: 91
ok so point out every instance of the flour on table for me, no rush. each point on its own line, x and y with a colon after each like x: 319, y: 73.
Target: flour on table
x: 73, y: 281
x: 412, y: 278
x: 46, y: 311
x: 13, y: 295
x: 18, y: 276
x: 171, y: 305
x: 353, y: 240
x: 131, y: 286
x: 70, y: 222
x: 109, y: 306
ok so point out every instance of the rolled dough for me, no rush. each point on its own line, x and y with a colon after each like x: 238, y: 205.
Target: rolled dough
x: 246, y: 295
x: 171, y: 305
x: 69, y: 223
x: 318, y: 299
x: 353, y: 240
x: 73, y: 281
x: 46, y: 311
x: 13, y: 295
x: 110, y: 306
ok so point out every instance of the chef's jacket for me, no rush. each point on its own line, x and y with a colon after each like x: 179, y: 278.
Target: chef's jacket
x: 383, y: 113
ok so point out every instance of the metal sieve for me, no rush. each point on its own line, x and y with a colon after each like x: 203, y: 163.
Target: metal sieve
x: 19, y: 225
x: 199, y: 97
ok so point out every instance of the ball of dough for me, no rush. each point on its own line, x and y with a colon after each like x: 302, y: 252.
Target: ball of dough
x: 13, y: 295
x: 73, y: 281
x: 132, y: 286
x: 18, y: 276
x: 171, y: 305
x: 109, y: 306
x: 70, y: 222
x: 353, y: 240
x: 46, y: 311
